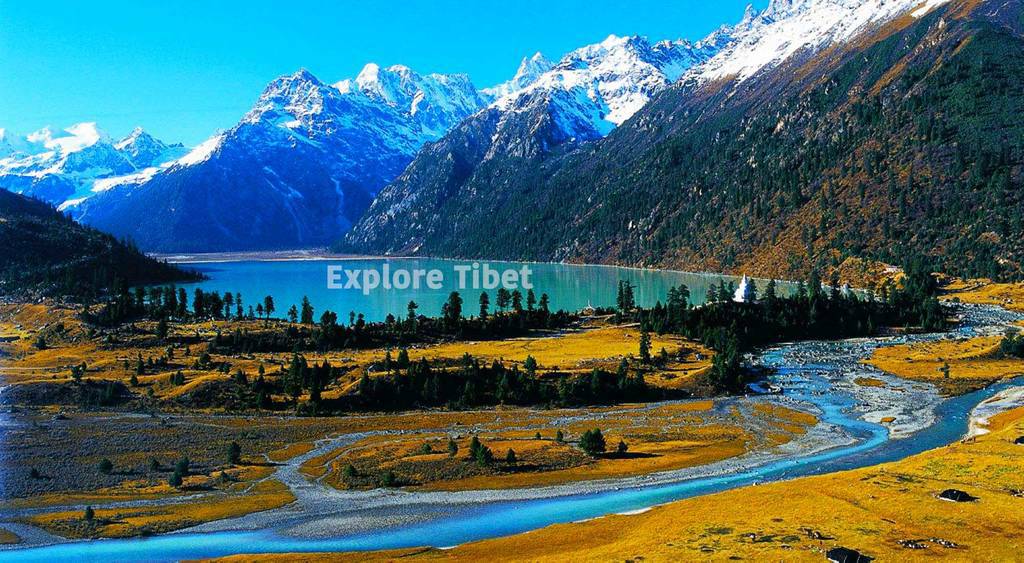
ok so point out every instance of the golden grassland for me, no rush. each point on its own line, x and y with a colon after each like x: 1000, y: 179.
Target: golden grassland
x: 972, y: 363
x: 8, y: 537
x: 871, y: 510
x: 266, y: 440
x: 569, y: 352
x: 658, y: 439
x: 290, y: 451
x: 226, y: 480
x: 985, y: 292
x: 70, y: 343
x: 861, y: 272
x: 128, y: 522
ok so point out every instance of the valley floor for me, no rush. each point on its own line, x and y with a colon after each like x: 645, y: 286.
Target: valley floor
x: 889, y: 512
x: 50, y: 453
x: 51, y: 447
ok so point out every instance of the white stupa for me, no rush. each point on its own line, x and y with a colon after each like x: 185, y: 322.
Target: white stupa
x: 741, y: 291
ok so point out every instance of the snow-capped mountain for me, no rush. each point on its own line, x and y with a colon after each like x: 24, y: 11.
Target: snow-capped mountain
x: 593, y: 89
x: 436, y: 102
x: 557, y: 118
x: 544, y: 109
x: 143, y: 150
x: 68, y: 165
x: 530, y: 69
x: 787, y: 27
x: 303, y: 164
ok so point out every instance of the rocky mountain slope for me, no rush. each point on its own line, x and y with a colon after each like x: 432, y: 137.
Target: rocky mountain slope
x: 820, y: 129
x: 544, y: 111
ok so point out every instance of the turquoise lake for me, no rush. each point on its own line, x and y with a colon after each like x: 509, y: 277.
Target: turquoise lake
x: 570, y: 287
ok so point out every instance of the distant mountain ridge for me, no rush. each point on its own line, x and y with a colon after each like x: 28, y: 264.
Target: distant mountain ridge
x: 296, y: 171
x: 68, y: 165
x: 540, y: 114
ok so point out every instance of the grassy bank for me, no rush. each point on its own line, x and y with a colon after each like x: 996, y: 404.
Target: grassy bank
x: 890, y: 512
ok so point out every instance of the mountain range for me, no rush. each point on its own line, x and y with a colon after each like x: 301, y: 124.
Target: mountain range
x: 820, y: 130
x: 306, y: 161
x: 806, y: 133
x: 68, y: 165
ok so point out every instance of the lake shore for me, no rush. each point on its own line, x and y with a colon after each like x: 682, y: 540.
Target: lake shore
x: 259, y: 256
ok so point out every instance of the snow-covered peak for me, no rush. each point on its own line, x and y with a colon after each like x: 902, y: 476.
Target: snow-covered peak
x: 534, y: 66
x: 530, y: 69
x: 68, y: 164
x: 401, y: 87
x: 599, y: 86
x: 144, y: 150
x: 138, y: 135
x: 786, y: 27
x: 435, y: 102
x: 300, y: 95
x: 139, y: 142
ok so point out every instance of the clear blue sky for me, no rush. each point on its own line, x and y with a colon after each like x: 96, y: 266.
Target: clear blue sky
x: 183, y: 69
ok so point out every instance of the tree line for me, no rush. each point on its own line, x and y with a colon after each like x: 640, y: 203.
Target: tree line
x: 814, y: 311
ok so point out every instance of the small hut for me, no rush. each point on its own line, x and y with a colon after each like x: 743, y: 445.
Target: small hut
x: 956, y: 495
x: 846, y: 555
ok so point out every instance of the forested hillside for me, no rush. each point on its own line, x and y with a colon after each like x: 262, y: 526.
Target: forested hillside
x: 906, y: 143
x: 43, y: 252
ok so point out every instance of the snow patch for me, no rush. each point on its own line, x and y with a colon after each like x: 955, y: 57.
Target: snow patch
x: 201, y: 152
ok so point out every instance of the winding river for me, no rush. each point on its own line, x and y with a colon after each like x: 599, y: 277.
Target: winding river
x: 815, y: 376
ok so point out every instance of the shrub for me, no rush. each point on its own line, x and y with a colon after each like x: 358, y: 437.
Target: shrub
x: 592, y: 442
x: 182, y: 466
x: 349, y: 472
x: 106, y: 466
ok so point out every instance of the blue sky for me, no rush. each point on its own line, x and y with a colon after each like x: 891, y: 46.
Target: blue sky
x: 185, y: 69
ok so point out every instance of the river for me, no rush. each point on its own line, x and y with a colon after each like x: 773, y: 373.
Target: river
x: 818, y: 376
